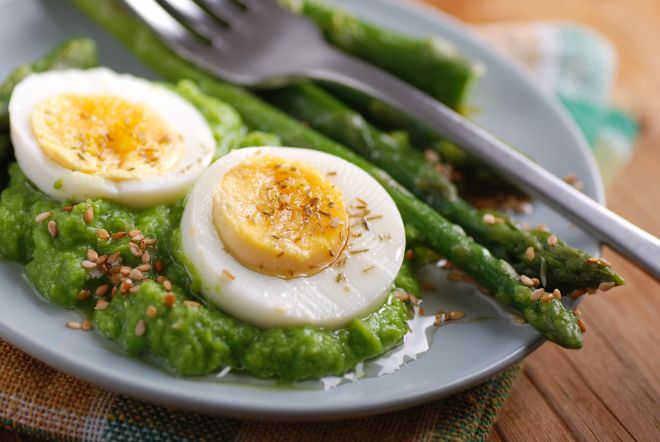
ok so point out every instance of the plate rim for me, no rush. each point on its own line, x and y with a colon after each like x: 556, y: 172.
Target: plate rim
x: 133, y: 388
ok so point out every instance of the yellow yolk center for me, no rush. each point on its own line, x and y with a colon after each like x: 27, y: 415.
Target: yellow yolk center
x: 280, y: 217
x: 105, y: 135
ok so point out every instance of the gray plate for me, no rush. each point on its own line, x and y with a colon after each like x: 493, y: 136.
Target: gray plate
x: 461, y: 355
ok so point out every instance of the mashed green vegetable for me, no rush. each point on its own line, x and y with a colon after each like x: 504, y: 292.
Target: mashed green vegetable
x: 187, y: 338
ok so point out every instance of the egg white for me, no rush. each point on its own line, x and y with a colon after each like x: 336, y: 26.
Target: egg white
x: 62, y: 183
x: 270, y: 301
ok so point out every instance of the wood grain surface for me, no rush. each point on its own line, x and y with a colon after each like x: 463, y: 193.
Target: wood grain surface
x: 610, y: 390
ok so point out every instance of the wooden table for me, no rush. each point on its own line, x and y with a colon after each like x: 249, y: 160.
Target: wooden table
x: 609, y: 390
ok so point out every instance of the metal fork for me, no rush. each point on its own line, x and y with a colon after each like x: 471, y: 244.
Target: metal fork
x: 256, y: 43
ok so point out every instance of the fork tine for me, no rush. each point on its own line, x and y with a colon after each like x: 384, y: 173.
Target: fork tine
x: 191, y: 15
x: 262, y: 5
x: 225, y: 10
x: 171, y: 31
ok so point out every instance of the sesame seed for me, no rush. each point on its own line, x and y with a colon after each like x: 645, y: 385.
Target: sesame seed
x: 133, y: 233
x: 526, y: 280
x: 422, y: 312
x: 67, y: 209
x: 145, y: 258
x: 227, y: 274
x: 102, y: 234
x: 537, y: 294
x: 604, y: 262
x: 101, y: 305
x: 489, y: 218
x: 455, y: 276
x: 88, y: 265
x: 605, y: 286
x: 577, y: 312
x: 88, y: 216
x: 115, y: 258
x: 167, y: 285
x: 92, y: 255
x: 43, y: 216
x: 134, y: 289
x: 118, y: 235
x: 159, y: 266
x: 427, y: 285
x: 413, y: 299
x: 74, y: 325
x: 536, y: 282
x: 86, y: 325
x: 547, y: 297
x: 592, y: 291
x: 125, y: 270
x: 144, y: 267
x: 552, y: 240
x: 102, y: 290
x: 431, y: 156
x: 577, y: 293
x: 403, y: 296
x: 83, y: 295
x: 581, y: 324
x: 191, y: 304
x: 140, y: 328
x: 126, y: 286
x: 410, y: 254
x: 138, y: 238
x: 135, y: 249
x: 150, y: 241
x: 169, y: 299
x: 52, y: 229
x: 592, y: 260
x: 151, y: 312
x: 455, y: 315
x: 136, y: 275
x: 556, y: 294
x: 529, y: 253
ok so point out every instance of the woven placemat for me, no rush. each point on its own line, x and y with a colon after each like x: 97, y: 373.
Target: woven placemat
x: 40, y: 401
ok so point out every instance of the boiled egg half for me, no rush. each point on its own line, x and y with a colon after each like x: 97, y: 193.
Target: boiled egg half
x: 81, y: 134
x: 286, y: 236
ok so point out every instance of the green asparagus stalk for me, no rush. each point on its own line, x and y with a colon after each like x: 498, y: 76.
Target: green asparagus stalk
x: 566, y: 268
x: 431, y: 64
x: 549, y: 316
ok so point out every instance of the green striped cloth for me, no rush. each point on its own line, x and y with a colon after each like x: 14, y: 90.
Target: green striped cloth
x: 569, y: 61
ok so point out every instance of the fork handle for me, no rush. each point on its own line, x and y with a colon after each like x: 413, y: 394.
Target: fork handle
x: 636, y: 244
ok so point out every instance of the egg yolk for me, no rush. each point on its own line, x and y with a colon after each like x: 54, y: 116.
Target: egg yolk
x: 105, y: 135
x: 280, y: 217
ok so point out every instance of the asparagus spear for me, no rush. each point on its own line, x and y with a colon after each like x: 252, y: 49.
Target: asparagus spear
x: 431, y: 64
x: 566, y: 268
x: 549, y: 317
